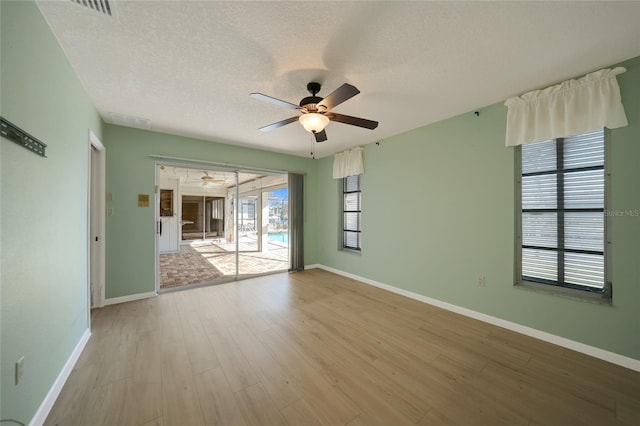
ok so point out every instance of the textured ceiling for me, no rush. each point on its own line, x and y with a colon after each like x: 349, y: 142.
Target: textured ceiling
x: 187, y: 67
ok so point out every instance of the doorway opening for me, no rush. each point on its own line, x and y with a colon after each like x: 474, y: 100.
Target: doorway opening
x: 217, y: 225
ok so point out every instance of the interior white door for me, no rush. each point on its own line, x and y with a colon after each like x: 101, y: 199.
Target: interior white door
x: 168, y: 238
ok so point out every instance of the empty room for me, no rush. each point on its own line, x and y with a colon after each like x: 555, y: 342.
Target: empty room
x: 319, y: 213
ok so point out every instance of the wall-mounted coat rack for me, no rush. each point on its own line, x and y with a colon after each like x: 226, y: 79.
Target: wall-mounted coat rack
x: 22, y: 138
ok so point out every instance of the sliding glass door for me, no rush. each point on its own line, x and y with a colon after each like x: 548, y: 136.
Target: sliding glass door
x: 195, y: 237
x: 218, y: 225
x: 258, y: 253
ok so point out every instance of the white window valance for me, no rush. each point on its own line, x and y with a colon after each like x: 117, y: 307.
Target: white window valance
x: 570, y: 108
x: 348, y: 163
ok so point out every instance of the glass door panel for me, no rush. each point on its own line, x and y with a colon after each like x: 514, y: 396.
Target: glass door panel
x: 227, y: 225
x: 262, y: 224
x: 206, y: 253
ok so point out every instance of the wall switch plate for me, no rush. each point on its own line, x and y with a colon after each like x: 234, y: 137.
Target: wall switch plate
x: 19, y: 369
x: 480, y: 280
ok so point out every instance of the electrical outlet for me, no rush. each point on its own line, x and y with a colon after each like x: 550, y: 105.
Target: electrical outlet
x: 480, y: 280
x: 19, y: 369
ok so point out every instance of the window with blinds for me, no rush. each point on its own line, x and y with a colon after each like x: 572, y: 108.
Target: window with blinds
x: 351, y: 212
x: 563, y: 212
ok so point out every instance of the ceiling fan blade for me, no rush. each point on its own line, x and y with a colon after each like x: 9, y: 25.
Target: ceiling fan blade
x: 338, y: 96
x: 274, y: 100
x: 354, y: 121
x: 320, y: 136
x: 278, y: 124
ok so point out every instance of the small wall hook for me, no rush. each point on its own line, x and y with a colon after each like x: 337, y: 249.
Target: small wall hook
x: 477, y: 113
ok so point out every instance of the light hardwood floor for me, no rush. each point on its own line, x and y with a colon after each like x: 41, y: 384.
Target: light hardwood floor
x: 314, y: 348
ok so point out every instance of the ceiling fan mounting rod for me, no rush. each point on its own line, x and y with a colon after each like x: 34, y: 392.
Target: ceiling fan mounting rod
x: 313, y: 88
x: 309, y: 104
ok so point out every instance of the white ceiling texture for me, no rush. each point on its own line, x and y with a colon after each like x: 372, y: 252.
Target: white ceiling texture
x: 188, y: 67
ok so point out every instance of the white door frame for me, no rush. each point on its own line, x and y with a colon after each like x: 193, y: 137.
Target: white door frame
x: 156, y: 221
x: 96, y: 217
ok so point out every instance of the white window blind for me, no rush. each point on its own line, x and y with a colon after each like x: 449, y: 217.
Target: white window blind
x: 352, y: 211
x: 562, y: 212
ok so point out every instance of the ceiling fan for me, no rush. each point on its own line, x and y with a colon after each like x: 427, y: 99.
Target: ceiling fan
x: 316, y: 112
x: 206, y: 179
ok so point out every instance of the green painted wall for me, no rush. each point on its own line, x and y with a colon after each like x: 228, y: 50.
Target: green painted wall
x: 43, y: 232
x: 130, y: 238
x: 438, y: 211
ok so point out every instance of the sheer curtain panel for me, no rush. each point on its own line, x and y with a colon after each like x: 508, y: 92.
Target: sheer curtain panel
x: 572, y: 107
x: 348, y: 163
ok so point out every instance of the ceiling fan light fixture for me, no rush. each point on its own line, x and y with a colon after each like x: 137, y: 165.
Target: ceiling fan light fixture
x: 316, y: 111
x: 313, y: 122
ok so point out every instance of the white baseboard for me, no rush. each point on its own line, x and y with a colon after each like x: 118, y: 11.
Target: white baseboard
x: 130, y: 298
x: 608, y: 356
x: 313, y: 266
x: 46, y: 405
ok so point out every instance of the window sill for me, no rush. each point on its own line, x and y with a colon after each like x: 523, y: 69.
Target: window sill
x: 348, y: 250
x: 569, y: 293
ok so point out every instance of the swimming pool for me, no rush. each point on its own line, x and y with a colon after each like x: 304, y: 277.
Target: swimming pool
x: 283, y: 237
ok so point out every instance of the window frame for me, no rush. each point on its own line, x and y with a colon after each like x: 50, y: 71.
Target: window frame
x: 343, y: 212
x: 583, y: 293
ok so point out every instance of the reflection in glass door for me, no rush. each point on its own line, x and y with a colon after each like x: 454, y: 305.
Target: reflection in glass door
x: 248, y: 223
x: 279, y: 216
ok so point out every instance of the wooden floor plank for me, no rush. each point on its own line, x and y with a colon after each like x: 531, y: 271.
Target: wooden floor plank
x: 143, y: 402
x: 315, y: 348
x: 258, y: 409
x: 179, y: 398
x: 235, y: 366
x: 300, y: 413
x: 147, y: 364
x: 326, y: 400
x: 180, y: 404
x: 275, y: 378
x: 70, y: 405
x: 371, y: 395
x: 217, y: 401
x: 107, y: 405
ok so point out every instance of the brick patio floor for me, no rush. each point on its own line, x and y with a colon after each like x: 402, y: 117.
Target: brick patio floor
x: 210, y: 261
